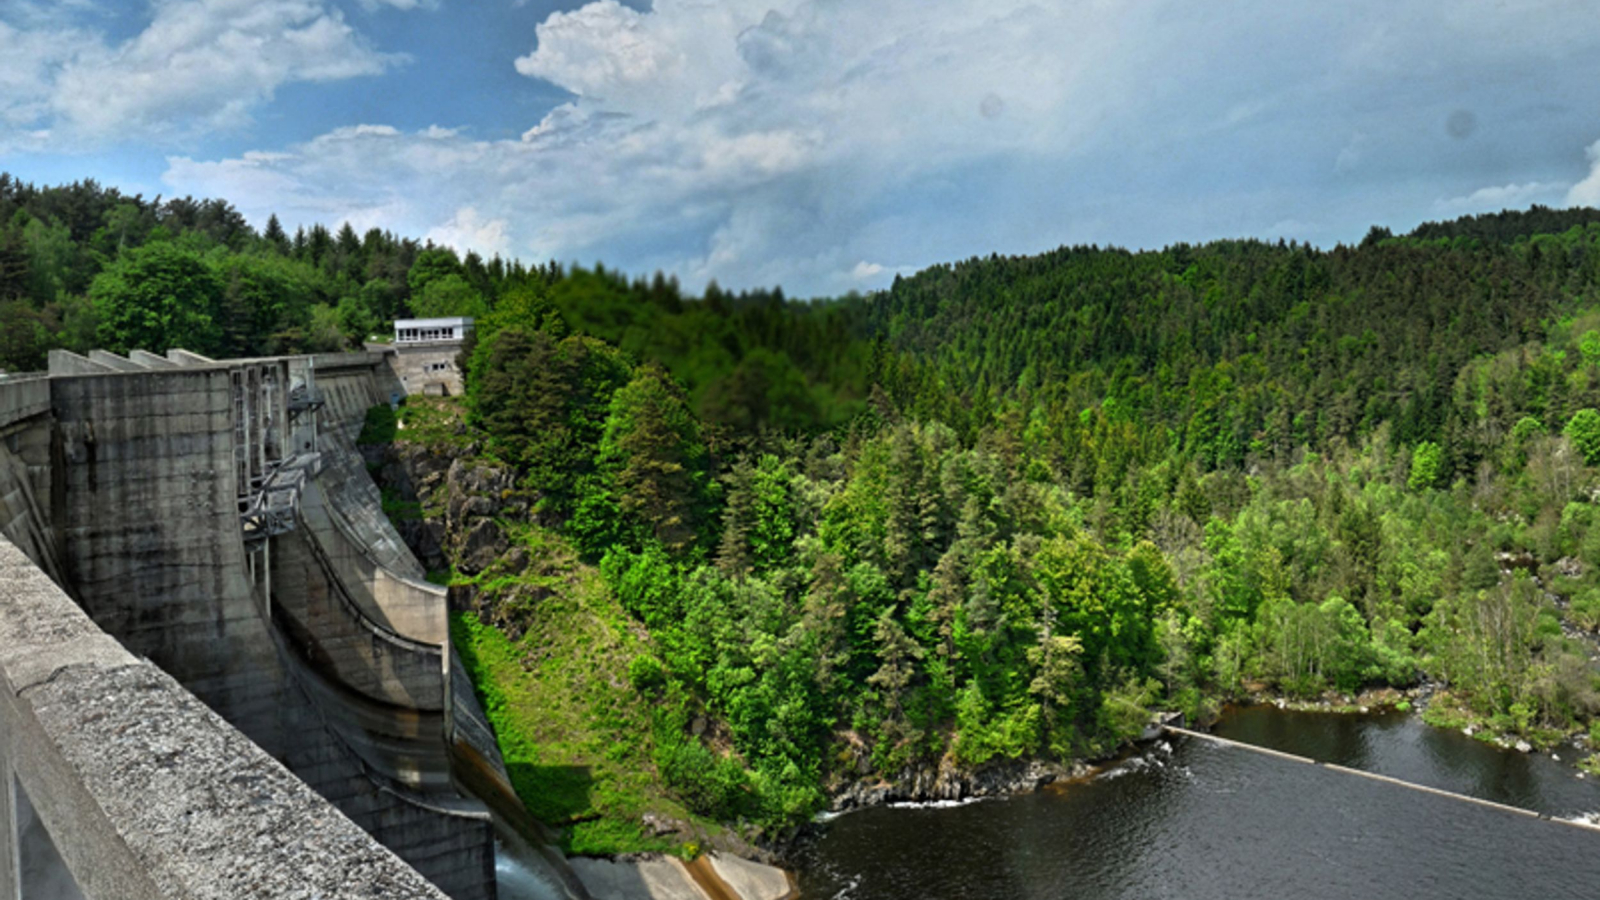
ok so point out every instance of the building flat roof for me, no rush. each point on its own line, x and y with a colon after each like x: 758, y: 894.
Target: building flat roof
x: 432, y: 323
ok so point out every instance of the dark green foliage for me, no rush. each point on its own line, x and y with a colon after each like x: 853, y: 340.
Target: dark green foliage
x: 654, y: 462
x: 250, y: 295
x: 380, y: 426
x: 1006, y: 506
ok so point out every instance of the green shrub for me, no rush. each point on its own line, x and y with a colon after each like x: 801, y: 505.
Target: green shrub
x: 709, y: 785
x: 1427, y: 464
x: 380, y: 426
x: 646, y: 674
x: 1584, y: 431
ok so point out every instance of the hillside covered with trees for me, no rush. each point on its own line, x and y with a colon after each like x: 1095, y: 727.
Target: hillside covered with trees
x: 998, y: 511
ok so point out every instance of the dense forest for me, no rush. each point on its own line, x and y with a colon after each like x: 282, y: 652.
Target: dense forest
x: 998, y: 511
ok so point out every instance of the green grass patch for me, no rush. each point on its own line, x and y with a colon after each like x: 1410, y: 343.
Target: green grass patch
x: 437, y: 422
x: 575, y: 734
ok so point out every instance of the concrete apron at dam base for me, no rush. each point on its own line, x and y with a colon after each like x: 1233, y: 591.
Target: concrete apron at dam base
x: 714, y: 876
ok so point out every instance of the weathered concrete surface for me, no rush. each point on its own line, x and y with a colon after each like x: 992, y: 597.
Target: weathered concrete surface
x: 23, y: 518
x: 23, y: 398
x: 324, y: 601
x: 145, y: 510
x: 65, y: 362
x: 145, y: 503
x: 146, y: 792
x: 752, y: 880
x: 424, y: 365
x: 130, y: 470
x: 148, y: 360
x: 656, y: 878
x: 186, y: 358
x: 114, y: 362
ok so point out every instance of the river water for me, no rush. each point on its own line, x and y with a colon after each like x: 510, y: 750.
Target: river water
x: 1192, y: 819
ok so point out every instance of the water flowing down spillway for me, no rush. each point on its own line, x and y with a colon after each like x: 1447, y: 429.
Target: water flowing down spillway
x: 1188, y: 818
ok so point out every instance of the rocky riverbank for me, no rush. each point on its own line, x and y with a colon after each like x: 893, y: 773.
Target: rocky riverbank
x: 947, y: 781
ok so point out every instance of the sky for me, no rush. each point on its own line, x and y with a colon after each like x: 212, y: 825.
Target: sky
x: 819, y: 145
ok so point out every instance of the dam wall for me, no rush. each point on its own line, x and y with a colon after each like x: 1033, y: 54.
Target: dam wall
x: 146, y: 513
x: 165, y: 495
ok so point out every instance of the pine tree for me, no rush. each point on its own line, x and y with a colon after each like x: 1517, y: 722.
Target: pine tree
x: 275, y: 236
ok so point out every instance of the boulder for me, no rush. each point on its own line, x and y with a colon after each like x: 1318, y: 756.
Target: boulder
x: 480, y: 546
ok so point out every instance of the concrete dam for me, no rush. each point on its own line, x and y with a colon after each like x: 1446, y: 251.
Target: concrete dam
x: 220, y: 541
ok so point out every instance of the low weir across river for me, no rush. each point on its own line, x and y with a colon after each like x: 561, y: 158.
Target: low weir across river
x: 1173, y: 730
x: 1244, y: 813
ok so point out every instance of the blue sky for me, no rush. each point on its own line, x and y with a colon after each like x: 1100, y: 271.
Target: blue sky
x: 820, y: 145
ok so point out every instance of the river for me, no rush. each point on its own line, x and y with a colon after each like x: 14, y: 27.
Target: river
x: 1192, y: 819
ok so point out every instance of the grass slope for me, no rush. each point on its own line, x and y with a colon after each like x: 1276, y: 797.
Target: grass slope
x: 575, y: 735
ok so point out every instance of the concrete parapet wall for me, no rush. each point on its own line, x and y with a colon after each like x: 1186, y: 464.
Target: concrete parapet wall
x: 114, y: 362
x: 65, y: 362
x: 22, y: 399
x: 148, y: 360
x: 145, y: 792
x: 186, y: 358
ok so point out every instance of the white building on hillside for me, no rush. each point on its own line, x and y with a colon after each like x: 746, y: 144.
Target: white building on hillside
x: 420, y: 331
x: 425, y: 352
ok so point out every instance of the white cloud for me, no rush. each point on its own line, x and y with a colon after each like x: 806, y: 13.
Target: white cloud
x: 1496, y: 198
x: 866, y: 271
x: 371, y: 5
x: 793, y: 141
x: 470, y: 231
x: 26, y: 59
x: 197, y: 66
x: 1587, y: 191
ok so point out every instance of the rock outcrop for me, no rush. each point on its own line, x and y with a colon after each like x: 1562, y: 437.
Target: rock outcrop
x: 949, y: 781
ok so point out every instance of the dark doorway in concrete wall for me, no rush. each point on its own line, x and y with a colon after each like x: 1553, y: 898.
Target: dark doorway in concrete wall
x: 41, y: 874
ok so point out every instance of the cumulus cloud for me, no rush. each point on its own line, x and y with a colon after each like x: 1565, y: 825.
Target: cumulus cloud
x: 26, y: 62
x: 1496, y: 198
x: 198, y: 65
x: 468, y: 230
x: 1587, y: 191
x: 793, y: 141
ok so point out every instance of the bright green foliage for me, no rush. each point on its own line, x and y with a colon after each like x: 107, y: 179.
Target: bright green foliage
x: 157, y: 297
x: 447, y: 295
x: 1584, y: 431
x: 265, y: 305
x: 573, y: 702
x: 1589, y: 346
x: 1427, y: 462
